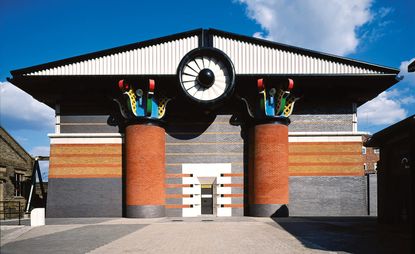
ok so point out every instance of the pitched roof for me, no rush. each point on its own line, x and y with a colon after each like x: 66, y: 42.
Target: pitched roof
x: 249, y: 55
x: 402, y: 129
x: 13, y: 154
x: 411, y: 67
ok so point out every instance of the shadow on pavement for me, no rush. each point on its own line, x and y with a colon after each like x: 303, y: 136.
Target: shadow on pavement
x: 67, y: 221
x: 347, y: 234
x: 78, y: 240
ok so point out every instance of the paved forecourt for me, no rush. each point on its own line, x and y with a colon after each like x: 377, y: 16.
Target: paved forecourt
x: 207, y: 235
x: 165, y: 235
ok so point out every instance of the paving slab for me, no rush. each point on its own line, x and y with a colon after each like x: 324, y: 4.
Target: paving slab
x: 206, y: 235
x: 71, y: 239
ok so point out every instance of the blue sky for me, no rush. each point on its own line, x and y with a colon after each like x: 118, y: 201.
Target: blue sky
x: 34, y: 32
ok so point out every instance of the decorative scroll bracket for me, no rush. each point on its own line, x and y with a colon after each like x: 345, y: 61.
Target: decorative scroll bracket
x: 275, y: 102
x: 141, y: 102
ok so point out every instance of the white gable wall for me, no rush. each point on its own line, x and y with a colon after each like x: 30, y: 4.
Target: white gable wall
x: 156, y: 59
x: 249, y: 58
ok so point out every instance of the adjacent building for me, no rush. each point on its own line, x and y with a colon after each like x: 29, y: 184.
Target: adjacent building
x: 206, y: 122
x: 15, y: 174
x: 395, y: 177
x: 370, y: 157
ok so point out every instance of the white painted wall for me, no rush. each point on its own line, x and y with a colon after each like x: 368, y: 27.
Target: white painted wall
x: 207, y: 170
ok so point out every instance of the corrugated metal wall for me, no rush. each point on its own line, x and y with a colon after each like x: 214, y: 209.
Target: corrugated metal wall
x: 249, y: 58
x: 161, y: 58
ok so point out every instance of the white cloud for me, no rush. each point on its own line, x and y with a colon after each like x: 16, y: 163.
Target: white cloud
x: 409, y: 77
x: 40, y: 151
x: 385, y: 109
x: 328, y: 26
x: 22, y: 109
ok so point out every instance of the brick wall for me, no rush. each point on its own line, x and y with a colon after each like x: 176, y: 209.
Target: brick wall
x: 202, y: 140
x: 85, y: 161
x: 85, y: 180
x: 328, y: 196
x: 13, y: 159
x: 85, y: 124
x: 325, y: 159
x: 329, y: 116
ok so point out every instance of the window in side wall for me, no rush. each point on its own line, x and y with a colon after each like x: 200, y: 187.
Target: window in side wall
x: 18, y: 187
x: 376, y: 150
x: 363, y: 150
x: 364, y: 166
x: 375, y: 166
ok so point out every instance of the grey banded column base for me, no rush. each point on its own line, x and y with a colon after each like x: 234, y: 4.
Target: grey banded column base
x: 268, y: 210
x: 145, y: 211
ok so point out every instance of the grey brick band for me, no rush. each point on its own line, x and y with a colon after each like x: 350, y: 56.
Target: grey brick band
x: 145, y: 211
x: 84, y: 197
x: 268, y: 210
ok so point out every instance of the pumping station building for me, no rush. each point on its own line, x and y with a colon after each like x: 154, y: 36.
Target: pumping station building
x: 205, y: 122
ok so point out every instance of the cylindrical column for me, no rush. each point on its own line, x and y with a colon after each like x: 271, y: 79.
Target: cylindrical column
x: 268, y: 176
x: 145, y: 171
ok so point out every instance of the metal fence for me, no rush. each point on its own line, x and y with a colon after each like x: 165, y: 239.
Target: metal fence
x: 10, y: 210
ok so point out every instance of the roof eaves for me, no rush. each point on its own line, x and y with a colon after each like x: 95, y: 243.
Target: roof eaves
x: 380, y: 136
x: 411, y: 67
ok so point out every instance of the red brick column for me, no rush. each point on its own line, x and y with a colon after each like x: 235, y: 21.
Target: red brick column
x: 145, y: 171
x: 268, y: 177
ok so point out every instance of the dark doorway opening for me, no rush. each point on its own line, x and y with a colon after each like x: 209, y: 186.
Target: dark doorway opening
x: 207, y: 198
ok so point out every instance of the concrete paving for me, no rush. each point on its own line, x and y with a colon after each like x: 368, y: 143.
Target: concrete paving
x: 204, y: 235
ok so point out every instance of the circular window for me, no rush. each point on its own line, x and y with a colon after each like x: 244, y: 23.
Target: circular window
x: 206, y: 76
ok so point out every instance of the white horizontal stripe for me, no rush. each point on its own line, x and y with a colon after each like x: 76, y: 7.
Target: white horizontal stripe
x: 117, y: 138
x: 325, y: 139
x: 86, y: 138
x: 343, y: 136
x: 326, y: 133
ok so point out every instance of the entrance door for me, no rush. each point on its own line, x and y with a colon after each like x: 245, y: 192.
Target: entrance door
x: 207, y: 198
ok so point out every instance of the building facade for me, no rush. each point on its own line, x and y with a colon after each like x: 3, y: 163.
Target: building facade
x: 15, y: 175
x: 370, y: 157
x: 395, y: 177
x: 206, y: 122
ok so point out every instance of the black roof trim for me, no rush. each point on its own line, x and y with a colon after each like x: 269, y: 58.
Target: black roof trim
x: 106, y: 52
x: 399, y: 127
x: 319, y: 75
x: 411, y: 67
x: 305, y: 51
x: 264, y: 75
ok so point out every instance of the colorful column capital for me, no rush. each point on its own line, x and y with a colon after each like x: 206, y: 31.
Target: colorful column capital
x: 140, y: 102
x: 276, y: 102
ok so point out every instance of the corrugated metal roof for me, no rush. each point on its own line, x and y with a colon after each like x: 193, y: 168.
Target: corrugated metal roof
x: 251, y: 58
x: 162, y: 56
x: 157, y: 59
